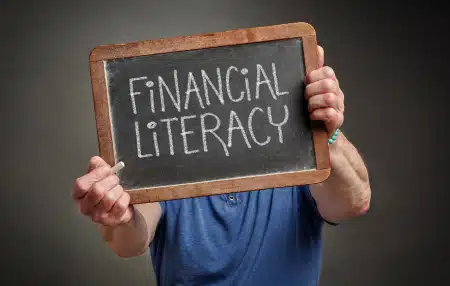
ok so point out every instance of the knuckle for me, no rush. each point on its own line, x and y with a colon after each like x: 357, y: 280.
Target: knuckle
x: 123, y: 202
x: 329, y: 98
x: 115, y: 193
x: 104, y: 216
x: 328, y: 84
x: 108, y: 201
x: 328, y: 71
x: 97, y: 191
x: 121, y: 205
x: 80, y: 185
x: 330, y: 113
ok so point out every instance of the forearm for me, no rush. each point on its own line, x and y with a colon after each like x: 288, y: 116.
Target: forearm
x: 346, y: 192
x: 130, y: 239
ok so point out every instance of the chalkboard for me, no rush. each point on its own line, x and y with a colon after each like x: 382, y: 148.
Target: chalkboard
x: 209, y: 114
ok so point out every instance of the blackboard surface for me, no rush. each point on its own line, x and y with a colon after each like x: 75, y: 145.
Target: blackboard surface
x: 275, y: 68
x: 209, y: 114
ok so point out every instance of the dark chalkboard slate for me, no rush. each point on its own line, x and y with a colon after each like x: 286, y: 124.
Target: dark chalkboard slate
x: 209, y: 114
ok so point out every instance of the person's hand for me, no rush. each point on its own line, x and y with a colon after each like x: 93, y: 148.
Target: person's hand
x: 99, y: 195
x: 325, y: 98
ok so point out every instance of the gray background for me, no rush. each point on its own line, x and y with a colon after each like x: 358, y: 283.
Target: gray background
x: 391, y: 61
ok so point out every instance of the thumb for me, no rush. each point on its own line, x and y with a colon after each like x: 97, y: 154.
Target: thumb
x: 96, y: 162
x: 320, y: 57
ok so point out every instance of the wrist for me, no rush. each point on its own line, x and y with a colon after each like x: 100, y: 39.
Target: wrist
x: 338, y: 141
x: 333, y: 136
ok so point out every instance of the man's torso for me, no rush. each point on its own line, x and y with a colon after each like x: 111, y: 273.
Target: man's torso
x: 269, y: 237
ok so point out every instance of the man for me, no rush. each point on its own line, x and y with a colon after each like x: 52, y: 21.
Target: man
x: 266, y: 237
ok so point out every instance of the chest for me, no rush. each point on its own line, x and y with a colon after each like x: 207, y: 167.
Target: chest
x: 233, y: 236
x: 235, y: 220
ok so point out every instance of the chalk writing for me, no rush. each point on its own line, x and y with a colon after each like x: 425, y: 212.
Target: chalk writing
x: 255, y: 84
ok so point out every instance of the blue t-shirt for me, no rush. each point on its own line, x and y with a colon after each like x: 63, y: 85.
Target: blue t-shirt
x: 267, y: 237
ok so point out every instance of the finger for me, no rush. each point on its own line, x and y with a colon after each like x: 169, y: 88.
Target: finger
x: 96, y: 162
x: 127, y: 216
x: 320, y: 56
x: 109, y: 220
x: 320, y: 87
x: 120, y: 206
x: 109, y: 199
x: 83, y: 184
x: 330, y: 116
x: 320, y: 74
x: 324, y: 100
x: 97, y: 192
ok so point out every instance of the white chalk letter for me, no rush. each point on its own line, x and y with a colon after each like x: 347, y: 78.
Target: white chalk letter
x: 176, y: 101
x: 169, y: 131
x: 260, y: 71
x: 286, y: 116
x: 212, y: 131
x: 218, y: 91
x: 275, y: 81
x: 151, y: 125
x: 191, y: 81
x: 231, y: 128
x: 155, y: 142
x: 228, y: 85
x: 138, y: 142
x: 152, y: 100
x: 250, y: 127
x: 184, y: 134
x: 133, y: 93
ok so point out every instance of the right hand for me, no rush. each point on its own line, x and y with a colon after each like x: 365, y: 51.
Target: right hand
x: 99, y: 195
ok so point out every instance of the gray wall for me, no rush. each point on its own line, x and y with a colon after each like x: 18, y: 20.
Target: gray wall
x: 391, y: 64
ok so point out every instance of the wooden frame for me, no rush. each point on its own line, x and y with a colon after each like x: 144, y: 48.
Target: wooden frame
x: 101, y: 54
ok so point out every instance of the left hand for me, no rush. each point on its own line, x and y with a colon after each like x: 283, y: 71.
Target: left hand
x: 324, y: 96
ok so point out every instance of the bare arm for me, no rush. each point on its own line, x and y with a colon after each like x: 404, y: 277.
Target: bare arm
x: 133, y: 238
x: 346, y: 192
x: 128, y: 230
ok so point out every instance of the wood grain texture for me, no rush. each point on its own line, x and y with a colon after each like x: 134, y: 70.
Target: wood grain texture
x: 202, y: 41
x: 227, y: 186
x: 184, y: 43
x: 320, y: 136
x: 102, y: 113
